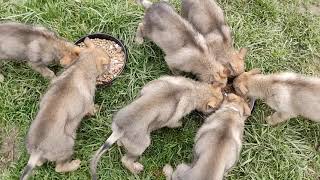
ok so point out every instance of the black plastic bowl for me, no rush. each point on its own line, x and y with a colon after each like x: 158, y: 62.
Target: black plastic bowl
x: 110, y: 38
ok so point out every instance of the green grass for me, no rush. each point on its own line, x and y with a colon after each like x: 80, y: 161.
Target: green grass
x: 279, y: 37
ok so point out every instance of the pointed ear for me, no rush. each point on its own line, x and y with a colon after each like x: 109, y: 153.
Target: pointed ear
x: 88, y: 43
x: 212, y: 104
x: 242, y: 53
x: 232, y: 67
x: 101, y: 62
x: 105, y: 61
x: 225, y: 73
x: 246, y: 109
x: 66, y: 60
x: 77, y: 50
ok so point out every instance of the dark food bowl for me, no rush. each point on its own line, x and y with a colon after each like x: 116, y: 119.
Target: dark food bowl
x: 110, y: 38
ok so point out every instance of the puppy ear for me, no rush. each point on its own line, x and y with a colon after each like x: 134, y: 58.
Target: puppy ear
x: 66, y: 60
x: 242, y: 53
x: 77, y: 50
x: 105, y: 61
x: 212, y: 104
x: 88, y: 43
x: 232, y: 67
x: 255, y: 71
x: 101, y: 63
x: 225, y: 73
x: 246, y: 109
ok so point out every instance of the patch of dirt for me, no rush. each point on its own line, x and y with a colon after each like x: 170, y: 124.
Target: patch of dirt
x: 311, y: 8
x: 9, y: 148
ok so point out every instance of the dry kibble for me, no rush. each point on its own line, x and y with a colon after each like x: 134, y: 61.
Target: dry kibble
x: 116, y: 55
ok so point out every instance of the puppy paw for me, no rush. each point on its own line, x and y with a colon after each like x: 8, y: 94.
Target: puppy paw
x: 137, y: 168
x: 94, y: 109
x: 175, y: 124
x: 138, y: 40
x: 119, y: 143
x: 271, y: 121
x: 76, y: 163
x: 167, y: 170
x: 68, y: 167
x: 40, y: 163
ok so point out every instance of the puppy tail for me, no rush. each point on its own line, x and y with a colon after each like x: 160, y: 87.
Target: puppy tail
x: 145, y: 3
x: 34, y: 158
x: 109, y: 142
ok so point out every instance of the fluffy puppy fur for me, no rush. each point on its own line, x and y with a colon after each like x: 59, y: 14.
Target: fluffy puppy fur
x: 217, y: 144
x: 185, y: 49
x: 36, y: 45
x: 289, y: 94
x: 161, y: 103
x: 69, y: 98
x: 208, y: 18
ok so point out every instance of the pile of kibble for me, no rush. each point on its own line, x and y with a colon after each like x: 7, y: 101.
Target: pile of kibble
x: 117, y: 57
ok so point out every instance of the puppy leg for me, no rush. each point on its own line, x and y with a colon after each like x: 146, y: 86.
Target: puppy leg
x: 43, y: 70
x: 67, y: 166
x: 129, y: 161
x: 139, y: 34
x: 278, y: 117
x: 181, y: 110
x: 167, y: 171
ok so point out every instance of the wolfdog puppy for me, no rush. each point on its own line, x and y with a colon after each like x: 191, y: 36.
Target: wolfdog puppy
x: 185, y: 49
x: 68, y: 99
x: 289, y: 94
x: 208, y: 18
x: 217, y: 144
x: 36, y: 45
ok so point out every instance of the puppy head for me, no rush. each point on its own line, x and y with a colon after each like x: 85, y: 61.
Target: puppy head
x: 240, y: 83
x: 216, y: 98
x: 237, y: 62
x: 239, y: 102
x: 101, y: 58
x: 70, y: 53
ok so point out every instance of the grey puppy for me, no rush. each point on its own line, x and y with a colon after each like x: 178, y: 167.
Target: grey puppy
x: 289, y: 94
x: 217, y: 144
x: 36, y: 45
x: 208, y: 18
x: 162, y: 103
x: 185, y: 49
x: 68, y: 99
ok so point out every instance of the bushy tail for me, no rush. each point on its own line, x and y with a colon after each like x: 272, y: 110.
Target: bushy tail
x: 109, y: 142
x: 34, y: 158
